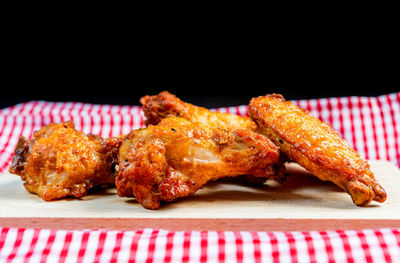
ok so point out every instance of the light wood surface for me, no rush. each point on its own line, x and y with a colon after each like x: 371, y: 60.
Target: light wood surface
x: 303, y: 203
x: 195, y: 224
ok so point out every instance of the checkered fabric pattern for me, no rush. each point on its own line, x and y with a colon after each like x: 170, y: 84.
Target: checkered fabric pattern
x: 370, y: 124
x: 153, y: 245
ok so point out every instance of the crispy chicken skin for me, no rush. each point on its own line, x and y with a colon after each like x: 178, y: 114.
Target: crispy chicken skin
x: 165, y: 105
x: 60, y: 161
x: 316, y: 146
x: 177, y: 157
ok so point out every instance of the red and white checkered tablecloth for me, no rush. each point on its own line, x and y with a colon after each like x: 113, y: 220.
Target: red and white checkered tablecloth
x: 370, y: 124
x: 152, y: 245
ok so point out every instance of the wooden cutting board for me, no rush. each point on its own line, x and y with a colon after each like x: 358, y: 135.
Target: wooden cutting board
x: 303, y: 203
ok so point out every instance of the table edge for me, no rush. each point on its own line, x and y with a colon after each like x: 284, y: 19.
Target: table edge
x: 198, y: 224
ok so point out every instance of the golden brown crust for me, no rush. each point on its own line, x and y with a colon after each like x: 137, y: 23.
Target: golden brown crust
x: 316, y: 146
x: 157, y: 108
x: 60, y: 161
x: 165, y: 105
x: 176, y: 158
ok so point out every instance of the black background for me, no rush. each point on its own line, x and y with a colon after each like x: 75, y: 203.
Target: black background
x: 215, y: 67
x: 206, y: 85
x: 208, y: 91
x: 210, y: 98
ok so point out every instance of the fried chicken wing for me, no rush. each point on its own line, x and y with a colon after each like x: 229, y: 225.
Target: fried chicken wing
x: 60, y: 161
x: 316, y: 146
x: 177, y: 157
x: 165, y: 105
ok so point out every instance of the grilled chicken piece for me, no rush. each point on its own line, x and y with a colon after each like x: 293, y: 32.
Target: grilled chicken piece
x: 165, y: 105
x: 60, y: 161
x: 316, y: 146
x: 177, y: 157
